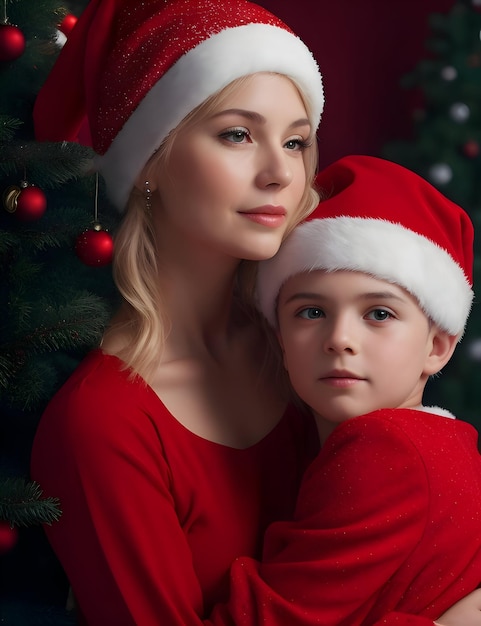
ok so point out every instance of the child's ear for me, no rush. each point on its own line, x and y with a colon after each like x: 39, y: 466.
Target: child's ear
x: 442, y: 348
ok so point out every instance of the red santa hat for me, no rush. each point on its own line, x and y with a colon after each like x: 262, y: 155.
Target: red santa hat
x: 382, y: 219
x: 134, y: 70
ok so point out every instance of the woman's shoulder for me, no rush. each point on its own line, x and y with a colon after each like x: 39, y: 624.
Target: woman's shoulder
x: 99, y: 393
x: 100, y: 418
x: 100, y: 374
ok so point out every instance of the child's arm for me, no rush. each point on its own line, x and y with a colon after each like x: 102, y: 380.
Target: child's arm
x: 363, y: 513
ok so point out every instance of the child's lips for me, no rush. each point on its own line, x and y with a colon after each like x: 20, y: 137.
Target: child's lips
x: 341, y: 378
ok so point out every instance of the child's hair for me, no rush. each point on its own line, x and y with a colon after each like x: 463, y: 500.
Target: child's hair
x: 135, y: 265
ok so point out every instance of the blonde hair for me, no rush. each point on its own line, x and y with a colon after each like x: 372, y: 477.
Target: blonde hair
x: 135, y: 266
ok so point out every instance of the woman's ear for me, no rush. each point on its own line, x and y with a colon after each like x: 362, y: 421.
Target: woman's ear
x: 145, y: 176
x: 442, y: 347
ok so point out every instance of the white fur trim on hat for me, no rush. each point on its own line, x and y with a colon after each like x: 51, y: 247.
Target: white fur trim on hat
x: 383, y: 249
x: 198, y: 74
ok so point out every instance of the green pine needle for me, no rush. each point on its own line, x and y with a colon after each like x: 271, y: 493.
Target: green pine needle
x: 8, y: 127
x: 21, y: 503
x: 48, y: 165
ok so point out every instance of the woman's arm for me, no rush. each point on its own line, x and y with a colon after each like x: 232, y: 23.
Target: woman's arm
x: 119, y: 538
x: 466, y: 612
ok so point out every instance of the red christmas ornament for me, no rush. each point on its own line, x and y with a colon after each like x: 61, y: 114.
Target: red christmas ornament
x: 95, y: 247
x: 8, y: 537
x: 471, y: 149
x: 27, y: 202
x: 67, y: 24
x: 31, y: 204
x: 12, y: 42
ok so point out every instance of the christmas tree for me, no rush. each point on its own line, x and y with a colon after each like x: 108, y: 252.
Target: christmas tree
x: 446, y: 150
x: 55, y: 304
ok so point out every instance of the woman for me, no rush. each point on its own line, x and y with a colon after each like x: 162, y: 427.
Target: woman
x: 170, y: 447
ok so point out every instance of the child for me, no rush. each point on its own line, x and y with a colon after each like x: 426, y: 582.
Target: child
x: 369, y: 298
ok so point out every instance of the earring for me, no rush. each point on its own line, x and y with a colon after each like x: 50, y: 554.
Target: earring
x: 148, y: 197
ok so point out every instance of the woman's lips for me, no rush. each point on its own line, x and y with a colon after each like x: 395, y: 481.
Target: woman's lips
x: 271, y: 216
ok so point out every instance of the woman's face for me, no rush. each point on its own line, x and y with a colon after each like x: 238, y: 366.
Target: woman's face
x: 234, y: 180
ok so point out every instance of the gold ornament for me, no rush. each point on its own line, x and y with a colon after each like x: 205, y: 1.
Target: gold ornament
x: 10, y: 198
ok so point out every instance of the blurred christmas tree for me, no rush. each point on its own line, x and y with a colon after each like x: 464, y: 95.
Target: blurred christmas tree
x: 446, y: 150
x: 55, y: 305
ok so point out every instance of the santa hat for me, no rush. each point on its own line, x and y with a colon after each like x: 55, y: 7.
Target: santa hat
x: 384, y: 220
x: 134, y: 70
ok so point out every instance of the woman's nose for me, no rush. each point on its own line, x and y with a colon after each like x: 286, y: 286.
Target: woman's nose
x: 274, y: 168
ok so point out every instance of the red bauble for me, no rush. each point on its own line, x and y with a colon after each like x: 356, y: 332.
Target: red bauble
x: 26, y: 202
x: 12, y: 42
x: 67, y: 24
x: 8, y: 537
x: 31, y: 204
x: 471, y: 149
x: 95, y: 247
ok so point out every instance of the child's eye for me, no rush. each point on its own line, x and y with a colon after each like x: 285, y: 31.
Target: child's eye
x: 310, y: 313
x: 235, y: 135
x: 379, y: 315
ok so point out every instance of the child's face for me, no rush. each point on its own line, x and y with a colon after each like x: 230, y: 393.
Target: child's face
x: 353, y: 344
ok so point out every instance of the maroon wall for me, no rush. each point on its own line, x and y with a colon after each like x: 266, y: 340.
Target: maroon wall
x: 363, y: 48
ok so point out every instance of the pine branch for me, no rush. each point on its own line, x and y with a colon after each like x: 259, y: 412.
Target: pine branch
x: 47, y: 164
x: 43, y: 240
x: 29, y: 366
x: 21, y: 503
x: 79, y: 322
x: 8, y: 241
x: 36, y: 18
x: 21, y: 275
x: 8, y: 127
x: 19, y: 613
x: 5, y: 371
x: 29, y: 383
x: 37, y: 340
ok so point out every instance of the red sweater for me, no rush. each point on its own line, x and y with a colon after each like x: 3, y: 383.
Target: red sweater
x: 154, y: 515
x: 388, y: 519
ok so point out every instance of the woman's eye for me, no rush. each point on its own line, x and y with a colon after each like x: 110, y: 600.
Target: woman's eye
x: 311, y: 313
x: 379, y: 315
x: 296, y: 144
x: 235, y: 135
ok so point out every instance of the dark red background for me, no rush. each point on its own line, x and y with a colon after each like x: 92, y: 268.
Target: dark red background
x: 363, y: 47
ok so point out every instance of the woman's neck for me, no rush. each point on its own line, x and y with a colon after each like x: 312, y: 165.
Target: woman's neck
x: 199, y: 303
x: 199, y: 299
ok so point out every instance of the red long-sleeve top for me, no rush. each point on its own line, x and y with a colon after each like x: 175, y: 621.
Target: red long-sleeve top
x: 154, y: 515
